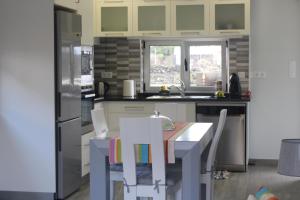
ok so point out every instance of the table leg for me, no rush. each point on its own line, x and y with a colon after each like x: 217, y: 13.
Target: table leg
x: 191, y: 169
x: 99, y: 174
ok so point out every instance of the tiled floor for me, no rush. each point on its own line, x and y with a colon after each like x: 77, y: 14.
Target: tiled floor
x: 240, y: 185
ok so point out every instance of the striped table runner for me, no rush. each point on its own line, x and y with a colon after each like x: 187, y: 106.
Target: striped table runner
x: 143, y: 151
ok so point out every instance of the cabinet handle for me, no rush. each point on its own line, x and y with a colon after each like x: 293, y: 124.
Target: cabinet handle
x: 190, y: 33
x: 145, y: 34
x: 112, y: 1
x: 87, y: 164
x: 133, y: 108
x: 114, y: 34
x: 153, y: 0
x: 232, y: 32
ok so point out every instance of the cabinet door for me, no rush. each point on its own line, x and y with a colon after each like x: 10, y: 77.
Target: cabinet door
x: 71, y: 4
x: 230, y: 17
x: 190, y: 17
x: 151, y: 17
x: 85, y: 152
x: 85, y: 9
x: 113, y: 18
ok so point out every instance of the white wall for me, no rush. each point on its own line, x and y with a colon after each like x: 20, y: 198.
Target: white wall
x: 27, y: 148
x: 275, y: 106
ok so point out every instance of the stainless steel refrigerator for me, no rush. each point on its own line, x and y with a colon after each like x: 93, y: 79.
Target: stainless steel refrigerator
x: 68, y: 102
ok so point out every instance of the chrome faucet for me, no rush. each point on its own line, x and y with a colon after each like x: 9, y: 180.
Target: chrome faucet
x: 180, y: 88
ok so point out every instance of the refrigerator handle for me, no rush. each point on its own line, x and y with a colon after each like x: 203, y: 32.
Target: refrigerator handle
x: 59, y: 139
x: 59, y: 104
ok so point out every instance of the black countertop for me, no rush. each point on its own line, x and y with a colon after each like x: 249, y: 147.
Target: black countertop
x: 196, y: 98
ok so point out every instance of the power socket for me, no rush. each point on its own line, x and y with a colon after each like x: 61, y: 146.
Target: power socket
x: 106, y: 75
x: 258, y: 74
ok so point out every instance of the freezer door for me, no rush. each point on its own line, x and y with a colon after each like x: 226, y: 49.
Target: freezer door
x: 69, y: 157
x: 68, y: 62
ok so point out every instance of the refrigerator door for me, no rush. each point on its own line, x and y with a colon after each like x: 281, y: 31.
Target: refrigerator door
x: 68, y: 62
x: 69, y: 157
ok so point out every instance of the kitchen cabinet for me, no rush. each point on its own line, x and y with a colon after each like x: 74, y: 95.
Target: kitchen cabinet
x: 115, y: 110
x: 113, y: 18
x: 71, y: 4
x: 190, y: 17
x: 151, y: 17
x: 230, y: 17
x: 181, y: 112
x: 85, y: 152
x: 85, y: 9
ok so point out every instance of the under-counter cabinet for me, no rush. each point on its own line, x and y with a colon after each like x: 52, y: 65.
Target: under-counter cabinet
x: 151, y: 17
x: 113, y: 18
x: 179, y: 112
x: 71, y: 4
x: 230, y: 17
x: 85, y: 152
x: 116, y: 110
x: 190, y: 17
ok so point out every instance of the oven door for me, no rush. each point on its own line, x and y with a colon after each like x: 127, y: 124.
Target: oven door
x: 87, y: 105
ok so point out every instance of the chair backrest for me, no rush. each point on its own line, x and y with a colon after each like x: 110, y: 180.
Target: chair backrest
x: 99, y: 122
x: 214, y: 145
x: 146, y: 130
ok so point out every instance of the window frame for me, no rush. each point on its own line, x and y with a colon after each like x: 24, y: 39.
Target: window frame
x: 184, y: 75
x: 224, y: 69
x: 147, y: 62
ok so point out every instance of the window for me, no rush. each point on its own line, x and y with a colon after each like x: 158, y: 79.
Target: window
x: 165, y: 65
x: 198, y: 64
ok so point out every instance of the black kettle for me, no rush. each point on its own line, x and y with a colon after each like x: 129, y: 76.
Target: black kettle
x: 234, y: 86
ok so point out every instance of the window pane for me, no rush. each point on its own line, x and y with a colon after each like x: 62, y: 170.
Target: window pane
x: 165, y: 63
x: 205, y: 65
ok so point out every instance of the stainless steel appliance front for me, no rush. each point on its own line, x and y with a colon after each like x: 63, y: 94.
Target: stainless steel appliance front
x: 68, y: 102
x: 231, y: 152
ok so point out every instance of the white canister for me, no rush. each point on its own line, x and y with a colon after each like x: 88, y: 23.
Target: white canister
x: 129, y: 88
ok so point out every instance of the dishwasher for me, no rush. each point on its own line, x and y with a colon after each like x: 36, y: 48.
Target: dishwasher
x: 231, y: 152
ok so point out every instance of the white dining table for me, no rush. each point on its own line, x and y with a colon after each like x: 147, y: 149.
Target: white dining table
x: 188, y: 146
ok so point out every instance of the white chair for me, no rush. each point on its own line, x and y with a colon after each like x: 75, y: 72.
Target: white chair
x: 100, y: 126
x: 99, y: 122
x: 207, y: 175
x: 152, y: 182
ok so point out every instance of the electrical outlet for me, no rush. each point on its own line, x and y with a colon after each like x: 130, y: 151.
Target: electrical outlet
x: 242, y: 75
x: 258, y: 74
x: 106, y: 74
x: 263, y: 75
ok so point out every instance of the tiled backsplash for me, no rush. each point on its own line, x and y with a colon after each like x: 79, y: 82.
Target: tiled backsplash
x: 122, y: 57
x: 239, y: 60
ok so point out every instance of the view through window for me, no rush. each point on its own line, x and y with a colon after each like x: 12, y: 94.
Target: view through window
x: 165, y: 65
x: 199, y: 65
x: 205, y: 65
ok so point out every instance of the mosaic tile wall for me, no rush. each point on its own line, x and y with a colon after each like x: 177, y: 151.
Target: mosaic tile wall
x: 121, y: 57
x: 239, y: 60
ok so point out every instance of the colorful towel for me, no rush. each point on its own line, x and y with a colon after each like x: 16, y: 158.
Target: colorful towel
x: 143, y: 151
x: 264, y: 194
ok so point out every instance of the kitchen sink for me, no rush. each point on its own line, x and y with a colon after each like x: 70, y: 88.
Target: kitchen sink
x: 178, y: 97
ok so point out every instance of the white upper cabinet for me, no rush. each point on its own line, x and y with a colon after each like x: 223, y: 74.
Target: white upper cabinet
x: 113, y: 18
x: 230, y: 17
x: 71, y: 4
x: 85, y: 9
x: 183, y: 18
x: 190, y: 17
x: 151, y: 17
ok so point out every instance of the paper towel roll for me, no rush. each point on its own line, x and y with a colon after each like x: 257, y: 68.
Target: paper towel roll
x: 128, y: 88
